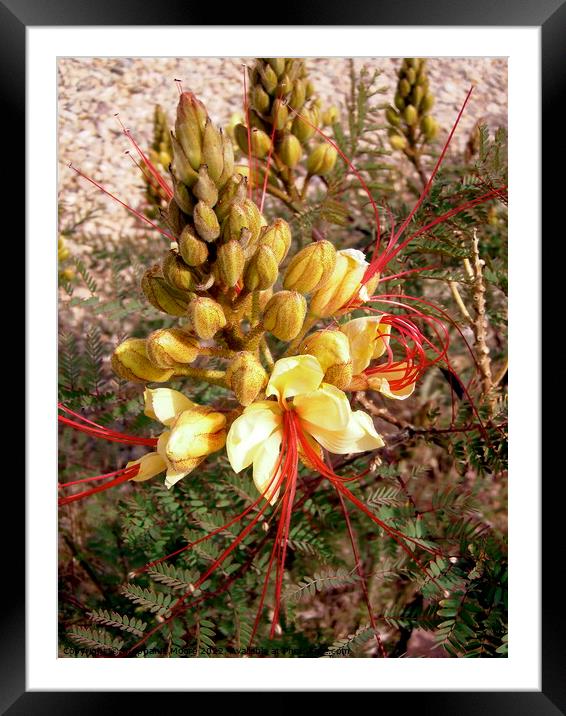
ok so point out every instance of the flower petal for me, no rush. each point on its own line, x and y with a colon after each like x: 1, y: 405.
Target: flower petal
x: 164, y: 404
x: 327, y: 407
x: 265, y: 467
x: 367, y: 340
x: 358, y: 436
x: 247, y: 433
x: 150, y: 464
x: 384, y: 382
x: 294, y: 376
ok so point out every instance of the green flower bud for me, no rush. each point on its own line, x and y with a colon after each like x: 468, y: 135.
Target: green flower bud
x: 255, y: 221
x: 399, y: 102
x: 298, y: 95
x: 206, y: 222
x: 182, y: 196
x: 260, y: 99
x: 189, y: 127
x: 393, y: 116
x: 206, y: 317
x: 228, y: 160
x: 192, y: 249
x: 428, y: 102
x: 233, y: 224
x: 311, y: 267
x: 410, y: 115
x: 279, y: 114
x: 322, y: 159
x: 262, y: 270
x: 290, y: 150
x: 285, y: 85
x: 330, y: 116
x: 181, y: 166
x: 175, y: 218
x: 229, y: 265
x: 284, y: 314
x: 411, y: 76
x: 309, y: 89
x: 177, y: 273
x: 233, y: 192
x: 404, y: 88
x: 246, y: 377
x: 277, y: 64
x: 205, y: 189
x: 130, y: 361
x: 301, y: 128
x: 161, y: 295
x: 429, y: 127
x: 261, y: 143
x: 268, y: 79
x: 278, y: 238
x: 417, y: 96
x: 171, y: 348
x: 333, y: 354
x: 398, y: 141
x: 212, y: 151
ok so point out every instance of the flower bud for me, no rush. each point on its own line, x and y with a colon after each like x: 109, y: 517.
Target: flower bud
x: 311, y: 267
x: 411, y: 75
x: 229, y: 264
x: 233, y: 192
x: 301, y: 128
x: 343, y: 285
x: 262, y: 270
x: 246, y: 377
x: 192, y: 249
x: 278, y: 238
x: 196, y: 432
x: 189, y: 127
x: 213, y: 151
x: 397, y: 141
x: 255, y: 220
x: 206, y: 317
x: 182, y: 196
x: 260, y: 100
x: 163, y: 296
x: 277, y: 64
x: 290, y: 151
x: 330, y: 116
x: 428, y: 102
x: 404, y: 87
x: 399, y: 102
x: 322, y: 159
x: 393, y: 116
x: 227, y: 159
x: 180, y: 165
x: 429, y: 126
x: 206, y: 222
x: 332, y: 350
x: 417, y: 96
x: 279, y: 114
x: 410, y: 115
x: 298, y: 95
x: 171, y: 347
x: 130, y: 361
x: 204, y: 188
x: 177, y: 273
x: 268, y: 79
x: 284, y: 314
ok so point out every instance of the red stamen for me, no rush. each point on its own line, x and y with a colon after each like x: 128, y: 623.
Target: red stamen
x: 101, y: 431
x: 125, y: 474
x: 136, y: 213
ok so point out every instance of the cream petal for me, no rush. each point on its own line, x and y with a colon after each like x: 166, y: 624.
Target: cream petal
x: 164, y: 404
x: 358, y: 436
x: 173, y: 477
x: 150, y: 464
x: 266, y: 461
x: 327, y: 407
x: 365, y: 339
x: 294, y: 376
x: 381, y: 382
x: 250, y: 430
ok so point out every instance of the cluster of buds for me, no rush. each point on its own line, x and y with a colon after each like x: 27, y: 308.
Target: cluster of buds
x: 411, y: 124
x: 160, y: 155
x: 282, y: 118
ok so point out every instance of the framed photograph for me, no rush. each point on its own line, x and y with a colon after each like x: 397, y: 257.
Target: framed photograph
x: 369, y: 535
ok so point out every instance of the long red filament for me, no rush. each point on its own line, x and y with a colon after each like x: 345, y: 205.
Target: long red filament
x: 125, y: 474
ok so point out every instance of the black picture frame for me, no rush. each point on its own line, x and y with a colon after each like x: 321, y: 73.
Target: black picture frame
x: 550, y: 17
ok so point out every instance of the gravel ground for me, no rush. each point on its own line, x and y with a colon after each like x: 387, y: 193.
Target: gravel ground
x: 93, y: 90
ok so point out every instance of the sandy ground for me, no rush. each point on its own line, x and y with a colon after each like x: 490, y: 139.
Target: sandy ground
x: 93, y: 90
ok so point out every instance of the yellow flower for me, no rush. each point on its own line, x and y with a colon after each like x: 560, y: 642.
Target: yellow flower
x: 194, y: 432
x: 343, y: 286
x: 395, y: 380
x: 368, y: 337
x: 261, y: 435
